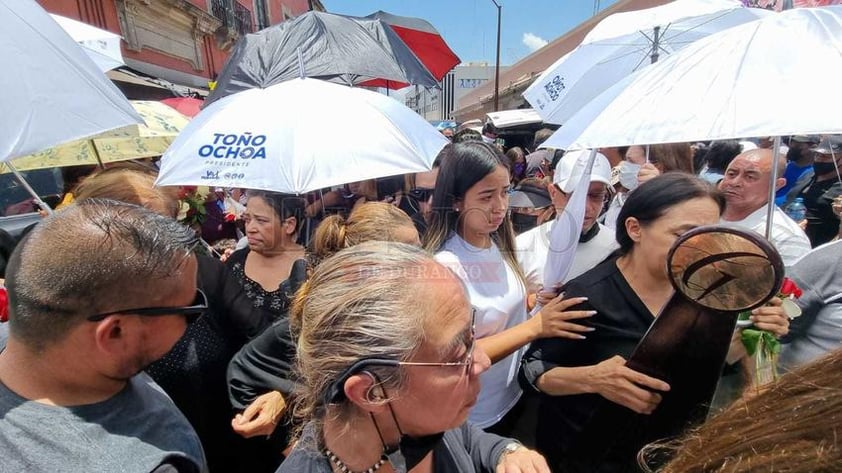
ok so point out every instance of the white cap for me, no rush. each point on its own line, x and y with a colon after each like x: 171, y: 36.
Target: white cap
x: 601, y: 171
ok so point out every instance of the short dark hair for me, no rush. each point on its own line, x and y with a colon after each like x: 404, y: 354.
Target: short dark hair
x: 467, y: 134
x: 720, y: 154
x: 284, y: 205
x: 653, y: 198
x: 464, y: 165
x: 93, y: 256
x: 540, y: 137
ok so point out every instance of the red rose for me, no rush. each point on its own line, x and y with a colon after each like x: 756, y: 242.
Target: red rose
x: 230, y: 217
x: 186, y: 191
x: 789, y: 288
x: 4, y: 305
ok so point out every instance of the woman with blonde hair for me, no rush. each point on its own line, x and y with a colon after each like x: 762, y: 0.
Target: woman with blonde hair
x: 130, y: 185
x: 386, y: 382
x: 370, y: 221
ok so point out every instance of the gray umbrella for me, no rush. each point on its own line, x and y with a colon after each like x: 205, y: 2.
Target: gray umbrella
x: 333, y: 47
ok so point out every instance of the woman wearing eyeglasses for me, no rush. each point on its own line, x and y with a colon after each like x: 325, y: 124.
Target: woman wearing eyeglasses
x: 471, y: 233
x: 386, y: 381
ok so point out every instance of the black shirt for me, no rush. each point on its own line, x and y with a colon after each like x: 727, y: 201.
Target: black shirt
x: 192, y: 373
x: 822, y: 223
x: 621, y: 322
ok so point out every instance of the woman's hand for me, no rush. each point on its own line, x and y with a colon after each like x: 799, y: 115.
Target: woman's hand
x: 552, y: 320
x: 614, y: 381
x: 771, y: 317
x: 261, y: 416
x: 522, y: 460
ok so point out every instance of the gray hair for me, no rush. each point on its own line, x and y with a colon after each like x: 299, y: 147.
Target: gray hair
x: 362, y: 302
x: 94, y: 256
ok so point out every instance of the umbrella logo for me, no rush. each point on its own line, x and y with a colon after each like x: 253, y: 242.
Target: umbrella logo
x: 554, y: 87
x: 235, y: 146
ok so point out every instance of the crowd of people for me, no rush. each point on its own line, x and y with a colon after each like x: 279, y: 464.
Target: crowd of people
x: 400, y: 324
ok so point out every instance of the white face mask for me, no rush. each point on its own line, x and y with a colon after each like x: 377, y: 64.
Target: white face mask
x: 628, y: 174
x: 488, y: 140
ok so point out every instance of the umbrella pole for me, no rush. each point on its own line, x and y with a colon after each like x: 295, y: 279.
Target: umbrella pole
x: 770, y: 206
x: 19, y: 176
x: 96, y: 155
x: 656, y: 45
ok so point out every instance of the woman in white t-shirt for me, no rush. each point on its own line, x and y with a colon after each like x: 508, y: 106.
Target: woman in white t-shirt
x: 470, y: 232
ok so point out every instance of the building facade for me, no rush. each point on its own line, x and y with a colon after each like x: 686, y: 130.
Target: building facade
x: 438, y: 104
x: 185, y: 42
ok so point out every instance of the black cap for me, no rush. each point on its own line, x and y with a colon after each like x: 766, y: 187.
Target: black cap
x: 829, y: 145
x: 532, y: 197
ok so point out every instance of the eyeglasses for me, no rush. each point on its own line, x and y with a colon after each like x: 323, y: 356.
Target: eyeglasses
x: 421, y: 194
x: 190, y: 312
x: 467, y: 362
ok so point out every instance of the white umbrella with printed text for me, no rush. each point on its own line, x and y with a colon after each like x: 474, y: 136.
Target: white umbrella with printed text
x: 52, y: 91
x: 625, y: 42
x: 299, y: 136
x: 102, y: 46
x: 773, y: 77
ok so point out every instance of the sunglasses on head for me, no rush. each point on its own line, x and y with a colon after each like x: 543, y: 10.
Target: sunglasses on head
x: 421, y: 194
x: 190, y: 312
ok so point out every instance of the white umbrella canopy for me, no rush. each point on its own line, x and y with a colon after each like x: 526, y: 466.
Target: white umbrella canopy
x: 299, y: 136
x: 624, y: 43
x: 102, y: 46
x: 52, y: 92
x: 774, y: 77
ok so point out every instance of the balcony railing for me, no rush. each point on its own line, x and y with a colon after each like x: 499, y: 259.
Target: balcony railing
x: 242, y: 19
x: 233, y: 15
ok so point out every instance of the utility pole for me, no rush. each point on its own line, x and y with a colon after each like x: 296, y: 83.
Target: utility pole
x: 497, y: 66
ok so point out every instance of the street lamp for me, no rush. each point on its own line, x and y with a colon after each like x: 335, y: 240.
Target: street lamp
x: 497, y: 66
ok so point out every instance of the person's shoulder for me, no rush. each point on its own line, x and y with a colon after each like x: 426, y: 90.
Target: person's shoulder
x: 302, y: 460
x: 605, y: 238
x: 786, y: 227
x: 526, y: 240
x: 827, y: 255
x: 238, y: 256
x: 594, y: 277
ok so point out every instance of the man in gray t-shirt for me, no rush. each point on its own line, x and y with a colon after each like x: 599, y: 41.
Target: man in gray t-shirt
x: 97, y: 292
x: 818, y: 331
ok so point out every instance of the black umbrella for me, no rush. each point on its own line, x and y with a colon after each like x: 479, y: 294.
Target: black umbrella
x: 332, y: 47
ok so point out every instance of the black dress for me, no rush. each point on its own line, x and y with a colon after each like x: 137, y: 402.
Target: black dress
x: 265, y: 363
x: 192, y: 373
x: 272, y: 303
x: 621, y: 321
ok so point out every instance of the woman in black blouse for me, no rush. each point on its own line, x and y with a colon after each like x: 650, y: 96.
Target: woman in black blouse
x: 627, y: 291
x: 272, y: 257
